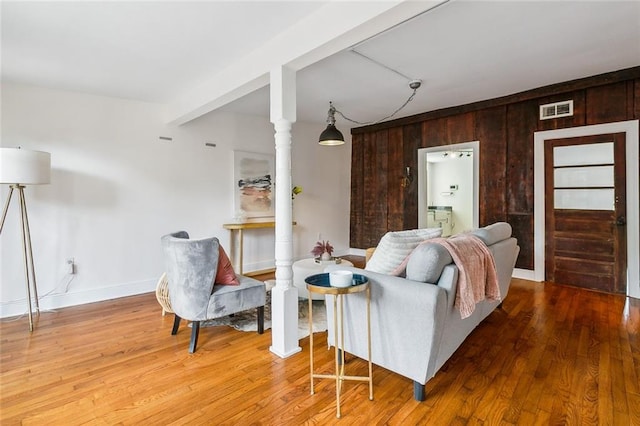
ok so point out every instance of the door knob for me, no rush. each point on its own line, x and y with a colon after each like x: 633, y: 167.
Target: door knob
x: 621, y: 221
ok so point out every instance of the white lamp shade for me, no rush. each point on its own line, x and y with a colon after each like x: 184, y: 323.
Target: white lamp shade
x: 24, y: 167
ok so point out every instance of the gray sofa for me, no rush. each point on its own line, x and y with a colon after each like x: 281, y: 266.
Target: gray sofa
x: 415, y: 326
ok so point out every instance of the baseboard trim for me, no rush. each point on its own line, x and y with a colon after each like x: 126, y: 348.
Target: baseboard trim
x: 285, y: 354
x: 82, y: 297
x: 259, y: 272
x: 524, y: 274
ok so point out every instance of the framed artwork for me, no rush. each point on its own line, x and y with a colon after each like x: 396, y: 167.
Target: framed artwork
x: 253, y: 180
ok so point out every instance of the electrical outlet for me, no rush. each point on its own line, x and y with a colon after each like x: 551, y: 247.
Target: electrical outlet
x: 71, y: 266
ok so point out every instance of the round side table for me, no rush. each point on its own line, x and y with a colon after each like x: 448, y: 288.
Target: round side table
x: 306, y: 267
x: 319, y: 284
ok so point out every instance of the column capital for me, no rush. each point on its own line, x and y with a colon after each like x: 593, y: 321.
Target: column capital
x: 282, y: 125
x: 283, y: 94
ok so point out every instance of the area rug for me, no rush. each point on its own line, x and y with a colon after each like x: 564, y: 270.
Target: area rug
x: 247, y: 320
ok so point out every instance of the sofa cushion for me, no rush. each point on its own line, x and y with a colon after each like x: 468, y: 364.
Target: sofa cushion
x: 427, y: 262
x: 493, y: 233
x: 395, y: 246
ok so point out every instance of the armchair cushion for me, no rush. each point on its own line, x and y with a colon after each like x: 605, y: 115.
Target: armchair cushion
x: 227, y: 299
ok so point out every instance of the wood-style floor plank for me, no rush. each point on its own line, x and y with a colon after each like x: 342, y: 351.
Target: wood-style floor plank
x: 552, y: 354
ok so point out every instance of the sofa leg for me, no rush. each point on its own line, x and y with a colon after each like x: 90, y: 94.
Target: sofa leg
x: 195, y: 330
x: 418, y: 391
x: 176, y: 324
x: 260, y: 319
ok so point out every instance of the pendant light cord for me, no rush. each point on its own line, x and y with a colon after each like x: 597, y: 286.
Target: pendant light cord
x: 382, y: 119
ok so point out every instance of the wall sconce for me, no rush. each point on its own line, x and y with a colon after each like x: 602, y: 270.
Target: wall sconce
x: 407, y: 178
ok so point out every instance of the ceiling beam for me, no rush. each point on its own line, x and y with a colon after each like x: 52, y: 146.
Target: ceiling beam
x: 330, y: 29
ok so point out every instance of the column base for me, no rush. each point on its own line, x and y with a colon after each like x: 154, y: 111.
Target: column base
x: 285, y: 354
x: 284, y: 321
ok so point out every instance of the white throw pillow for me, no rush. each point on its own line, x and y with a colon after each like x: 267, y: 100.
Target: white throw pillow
x: 394, y: 247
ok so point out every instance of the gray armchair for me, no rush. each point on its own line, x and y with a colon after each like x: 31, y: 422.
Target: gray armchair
x: 191, y: 267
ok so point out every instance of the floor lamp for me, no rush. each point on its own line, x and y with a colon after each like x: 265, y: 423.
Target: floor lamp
x: 18, y: 168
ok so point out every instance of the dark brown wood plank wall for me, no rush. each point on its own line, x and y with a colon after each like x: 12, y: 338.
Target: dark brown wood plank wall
x: 375, y: 188
x: 631, y: 93
x: 461, y: 128
x: 395, y: 164
x: 492, y: 131
x: 434, y: 132
x: 505, y: 128
x: 607, y: 104
x: 636, y: 99
x: 369, y: 169
x: 522, y: 119
x: 356, y: 227
x: 411, y: 138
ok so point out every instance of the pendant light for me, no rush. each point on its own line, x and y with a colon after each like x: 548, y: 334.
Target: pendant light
x: 331, y: 136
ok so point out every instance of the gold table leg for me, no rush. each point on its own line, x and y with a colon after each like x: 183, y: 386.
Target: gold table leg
x: 338, y: 351
x: 338, y: 333
x: 311, y: 341
x: 369, y: 342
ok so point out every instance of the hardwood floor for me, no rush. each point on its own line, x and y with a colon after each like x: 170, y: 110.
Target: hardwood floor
x: 552, y: 355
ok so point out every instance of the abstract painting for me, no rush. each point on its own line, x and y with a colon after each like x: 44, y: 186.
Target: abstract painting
x: 254, y: 178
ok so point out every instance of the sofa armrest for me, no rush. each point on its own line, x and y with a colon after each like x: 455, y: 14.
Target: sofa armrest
x: 407, y: 319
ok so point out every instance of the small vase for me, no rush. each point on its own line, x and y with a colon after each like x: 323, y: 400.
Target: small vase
x: 325, y: 256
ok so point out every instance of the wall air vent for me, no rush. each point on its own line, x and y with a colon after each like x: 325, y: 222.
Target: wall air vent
x: 555, y: 110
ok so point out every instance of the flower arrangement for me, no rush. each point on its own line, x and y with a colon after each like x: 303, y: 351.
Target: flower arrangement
x: 322, y: 247
x: 295, y: 191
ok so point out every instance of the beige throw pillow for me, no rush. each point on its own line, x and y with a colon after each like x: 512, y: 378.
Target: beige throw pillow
x: 395, y: 247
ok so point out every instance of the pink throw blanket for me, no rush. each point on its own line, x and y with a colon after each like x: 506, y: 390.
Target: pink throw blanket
x: 477, y: 278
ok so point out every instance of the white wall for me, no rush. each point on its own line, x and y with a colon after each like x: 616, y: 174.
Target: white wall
x: 454, y: 171
x: 116, y: 188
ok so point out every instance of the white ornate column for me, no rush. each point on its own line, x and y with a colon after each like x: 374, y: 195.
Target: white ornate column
x: 284, y: 296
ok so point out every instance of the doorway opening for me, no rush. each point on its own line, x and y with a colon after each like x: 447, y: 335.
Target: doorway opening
x: 448, y: 186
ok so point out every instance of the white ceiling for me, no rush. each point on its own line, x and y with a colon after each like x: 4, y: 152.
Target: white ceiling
x: 463, y: 51
x: 150, y: 51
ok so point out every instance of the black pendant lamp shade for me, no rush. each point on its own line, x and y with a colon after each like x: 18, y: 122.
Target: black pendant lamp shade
x: 331, y: 136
